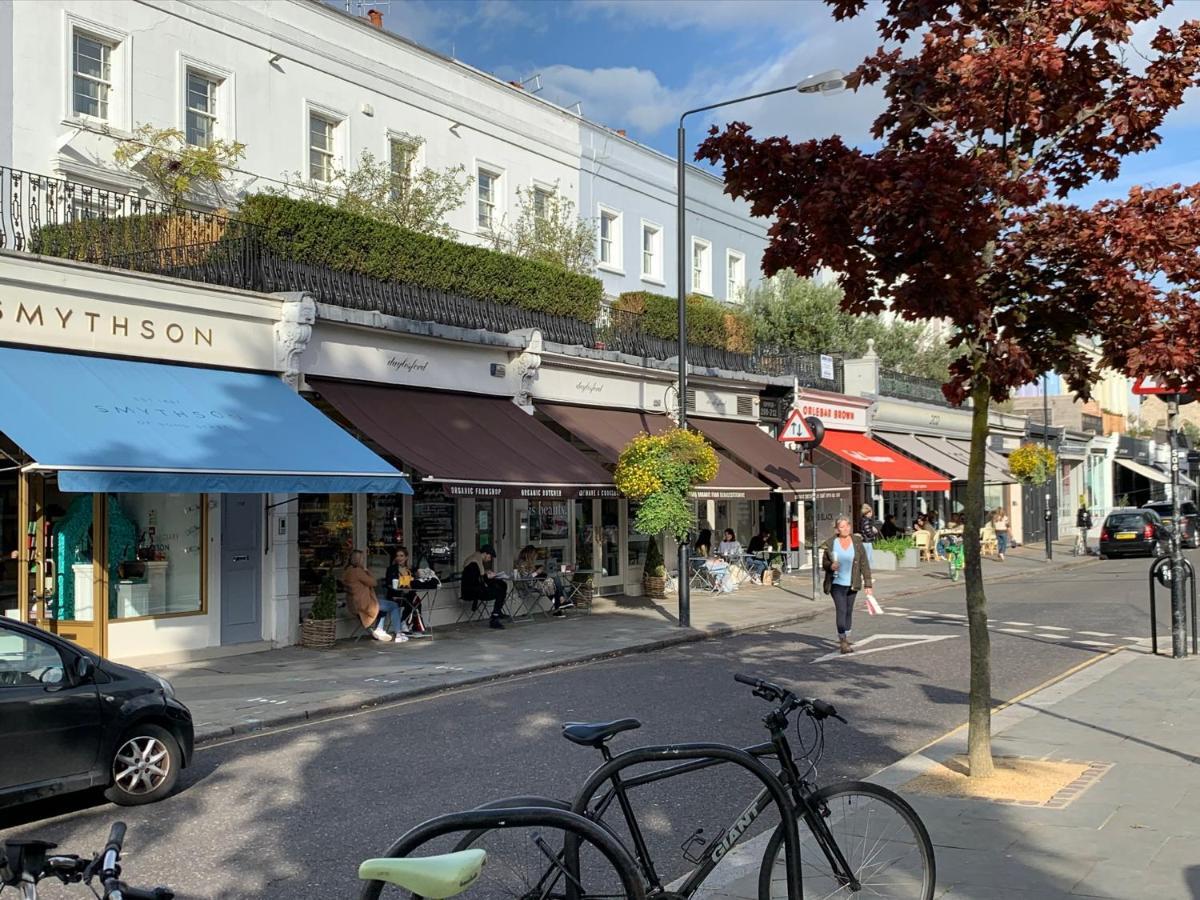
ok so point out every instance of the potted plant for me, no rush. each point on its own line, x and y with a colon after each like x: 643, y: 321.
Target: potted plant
x: 319, y: 628
x: 654, y: 573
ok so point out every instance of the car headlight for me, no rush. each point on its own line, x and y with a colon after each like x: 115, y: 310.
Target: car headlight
x: 167, y: 688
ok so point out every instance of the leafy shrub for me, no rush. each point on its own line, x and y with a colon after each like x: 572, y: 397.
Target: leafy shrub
x: 324, y: 605
x: 1032, y: 464
x: 157, y: 237
x: 659, y: 471
x: 654, y: 567
x: 710, y: 323
x: 308, y: 232
x: 897, y: 546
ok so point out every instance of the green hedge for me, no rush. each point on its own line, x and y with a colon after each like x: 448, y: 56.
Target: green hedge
x: 710, y: 323
x: 172, y: 236
x: 309, y: 232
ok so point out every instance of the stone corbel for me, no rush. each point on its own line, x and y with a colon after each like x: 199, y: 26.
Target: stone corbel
x: 293, y: 331
x: 526, y: 368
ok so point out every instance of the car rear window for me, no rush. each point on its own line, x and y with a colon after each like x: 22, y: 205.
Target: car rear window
x: 1126, y: 522
x: 1163, y: 509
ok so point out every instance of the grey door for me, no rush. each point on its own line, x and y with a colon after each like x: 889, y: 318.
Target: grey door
x: 241, y: 568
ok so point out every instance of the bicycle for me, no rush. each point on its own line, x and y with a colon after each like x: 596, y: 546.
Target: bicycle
x: 954, y: 554
x: 26, y: 863
x: 856, y: 837
x: 587, y: 864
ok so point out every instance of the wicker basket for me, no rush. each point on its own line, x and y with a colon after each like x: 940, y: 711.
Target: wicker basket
x: 654, y: 587
x: 318, y: 634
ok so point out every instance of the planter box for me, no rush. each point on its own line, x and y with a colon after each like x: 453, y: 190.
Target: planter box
x: 883, y: 561
x: 912, y: 558
x: 318, y: 634
x: 654, y: 588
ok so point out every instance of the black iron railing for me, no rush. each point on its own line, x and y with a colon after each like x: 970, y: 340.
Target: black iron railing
x: 911, y: 387
x: 73, y: 220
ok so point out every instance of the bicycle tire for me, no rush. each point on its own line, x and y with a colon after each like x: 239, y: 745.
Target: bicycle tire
x: 605, y: 870
x: 818, y: 877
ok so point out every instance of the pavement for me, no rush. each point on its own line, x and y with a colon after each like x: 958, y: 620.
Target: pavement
x: 1130, y: 830
x: 238, y: 694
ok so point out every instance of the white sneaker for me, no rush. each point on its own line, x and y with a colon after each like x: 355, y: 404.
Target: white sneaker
x: 401, y: 638
x: 380, y: 635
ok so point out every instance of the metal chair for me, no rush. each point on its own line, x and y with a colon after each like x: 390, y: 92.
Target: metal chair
x: 701, y: 577
x: 527, y: 596
x: 924, y: 543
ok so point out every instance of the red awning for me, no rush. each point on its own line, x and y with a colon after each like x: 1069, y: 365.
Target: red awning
x: 895, y: 471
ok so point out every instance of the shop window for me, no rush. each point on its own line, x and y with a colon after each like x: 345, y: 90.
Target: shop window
x: 435, y: 526
x: 326, y: 529
x: 9, y: 565
x: 155, y: 555
x: 385, y: 529
x: 547, y: 527
x: 636, y: 541
x: 485, y: 523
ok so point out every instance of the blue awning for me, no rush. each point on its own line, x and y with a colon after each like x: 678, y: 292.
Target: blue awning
x: 125, y: 426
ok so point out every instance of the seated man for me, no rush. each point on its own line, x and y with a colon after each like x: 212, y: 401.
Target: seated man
x: 889, y: 529
x: 480, y: 584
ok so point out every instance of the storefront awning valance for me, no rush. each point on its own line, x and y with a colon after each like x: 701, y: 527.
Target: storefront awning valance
x: 608, y: 431
x: 1156, y: 475
x: 894, y: 471
x: 931, y: 455
x: 471, y: 444
x: 769, y: 458
x: 127, y: 426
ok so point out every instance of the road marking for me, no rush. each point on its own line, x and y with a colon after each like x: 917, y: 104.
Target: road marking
x: 900, y: 608
x: 1013, y: 630
x: 1052, y: 628
x: 1097, y: 633
x: 1093, y: 643
x: 907, y: 640
x: 926, y: 612
x: 954, y: 615
x: 1053, y: 637
x: 1022, y: 624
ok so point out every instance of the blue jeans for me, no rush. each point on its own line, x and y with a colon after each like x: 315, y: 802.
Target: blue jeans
x: 869, y: 547
x: 1001, y: 542
x: 755, y: 566
x: 390, y: 610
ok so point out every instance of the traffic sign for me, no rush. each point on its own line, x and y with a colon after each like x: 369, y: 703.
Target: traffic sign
x: 1149, y: 385
x: 795, y: 430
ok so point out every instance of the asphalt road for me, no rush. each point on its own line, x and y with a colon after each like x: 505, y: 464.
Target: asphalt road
x: 291, y: 813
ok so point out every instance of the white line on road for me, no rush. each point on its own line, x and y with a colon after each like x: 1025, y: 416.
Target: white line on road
x: 1053, y: 637
x: 907, y: 640
x: 1022, y: 624
x: 926, y: 612
x: 1097, y: 633
x: 899, y: 608
x: 1013, y: 630
x: 1052, y: 628
x: 1093, y: 643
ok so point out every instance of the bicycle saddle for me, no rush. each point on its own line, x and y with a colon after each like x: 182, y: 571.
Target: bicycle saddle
x: 594, y: 734
x: 429, y: 876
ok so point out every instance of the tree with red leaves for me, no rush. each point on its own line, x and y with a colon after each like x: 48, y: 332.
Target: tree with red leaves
x: 996, y: 111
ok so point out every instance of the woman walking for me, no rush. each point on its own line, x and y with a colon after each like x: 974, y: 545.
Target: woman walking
x: 1000, y: 526
x: 847, y: 571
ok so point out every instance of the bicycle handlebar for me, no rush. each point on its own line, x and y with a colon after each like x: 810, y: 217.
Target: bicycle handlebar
x: 767, y: 690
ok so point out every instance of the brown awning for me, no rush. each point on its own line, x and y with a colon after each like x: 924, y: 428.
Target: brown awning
x: 607, y: 431
x: 473, y: 445
x: 753, y: 447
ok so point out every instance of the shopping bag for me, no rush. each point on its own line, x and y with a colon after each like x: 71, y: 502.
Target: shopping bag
x: 873, y: 607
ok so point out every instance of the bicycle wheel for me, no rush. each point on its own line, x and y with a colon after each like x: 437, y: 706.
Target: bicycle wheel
x: 880, y: 835
x: 527, y: 857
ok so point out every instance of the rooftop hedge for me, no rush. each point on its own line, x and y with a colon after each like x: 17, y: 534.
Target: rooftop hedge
x: 710, y: 322
x: 308, y: 232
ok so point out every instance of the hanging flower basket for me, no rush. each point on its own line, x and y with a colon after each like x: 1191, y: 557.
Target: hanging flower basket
x: 1031, y: 464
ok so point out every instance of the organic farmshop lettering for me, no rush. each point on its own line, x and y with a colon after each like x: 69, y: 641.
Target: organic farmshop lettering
x: 36, y: 315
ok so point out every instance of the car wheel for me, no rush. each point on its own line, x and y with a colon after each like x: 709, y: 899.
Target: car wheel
x: 145, y: 766
x: 1102, y: 556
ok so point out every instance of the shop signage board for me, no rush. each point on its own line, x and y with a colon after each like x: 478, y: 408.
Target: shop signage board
x: 832, y: 413
x: 524, y: 492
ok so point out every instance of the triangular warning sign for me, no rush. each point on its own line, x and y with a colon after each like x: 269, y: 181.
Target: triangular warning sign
x: 795, y: 430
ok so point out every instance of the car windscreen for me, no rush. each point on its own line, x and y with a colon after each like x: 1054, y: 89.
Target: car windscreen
x: 1126, y: 522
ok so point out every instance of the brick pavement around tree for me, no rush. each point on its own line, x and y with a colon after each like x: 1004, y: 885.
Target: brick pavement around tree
x: 1131, y: 833
x: 241, y: 693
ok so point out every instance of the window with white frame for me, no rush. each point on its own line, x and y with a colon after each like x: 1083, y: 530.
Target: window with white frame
x: 609, y: 253
x: 402, y: 157
x: 541, y: 202
x: 735, y: 276
x: 487, y: 194
x: 91, y: 75
x: 652, y: 262
x: 701, y: 266
x: 200, y: 116
x: 322, y: 131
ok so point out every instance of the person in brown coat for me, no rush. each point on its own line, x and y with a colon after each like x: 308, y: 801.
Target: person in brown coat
x: 362, y: 600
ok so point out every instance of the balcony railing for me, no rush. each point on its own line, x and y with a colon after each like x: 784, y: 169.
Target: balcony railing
x: 911, y: 387
x: 72, y: 220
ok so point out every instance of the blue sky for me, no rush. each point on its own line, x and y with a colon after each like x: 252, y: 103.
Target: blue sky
x: 635, y: 64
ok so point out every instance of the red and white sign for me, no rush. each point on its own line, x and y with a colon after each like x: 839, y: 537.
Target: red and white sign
x: 843, y: 416
x: 795, y: 430
x: 1150, y: 385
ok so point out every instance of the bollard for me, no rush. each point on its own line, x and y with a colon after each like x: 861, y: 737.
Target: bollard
x: 1189, y: 584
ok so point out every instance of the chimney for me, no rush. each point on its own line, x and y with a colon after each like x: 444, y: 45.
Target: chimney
x: 620, y: 132
x: 375, y: 16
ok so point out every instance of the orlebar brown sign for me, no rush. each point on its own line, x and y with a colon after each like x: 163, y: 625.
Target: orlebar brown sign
x: 839, y: 416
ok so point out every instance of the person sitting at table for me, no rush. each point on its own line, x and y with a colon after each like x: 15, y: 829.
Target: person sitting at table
x: 761, y: 542
x: 362, y: 601
x: 729, y: 546
x: 481, y: 585
x: 889, y: 528
x: 402, y: 587
x: 703, y: 545
x: 529, y: 566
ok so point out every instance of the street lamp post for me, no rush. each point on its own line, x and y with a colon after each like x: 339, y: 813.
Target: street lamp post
x: 830, y: 82
x: 1046, y: 447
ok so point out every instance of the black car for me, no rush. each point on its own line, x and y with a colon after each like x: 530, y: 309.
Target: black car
x: 71, y: 720
x: 1189, y: 519
x: 1133, y: 532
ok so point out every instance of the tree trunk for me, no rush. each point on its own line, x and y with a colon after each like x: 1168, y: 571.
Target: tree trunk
x: 979, y: 728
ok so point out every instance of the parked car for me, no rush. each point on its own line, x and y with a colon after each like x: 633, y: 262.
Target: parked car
x: 1133, y: 532
x: 1189, y: 519
x: 73, y: 720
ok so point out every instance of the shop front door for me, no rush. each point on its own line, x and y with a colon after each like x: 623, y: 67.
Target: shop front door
x: 241, y: 568
x: 598, y: 529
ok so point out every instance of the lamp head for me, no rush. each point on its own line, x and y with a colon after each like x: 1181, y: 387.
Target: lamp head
x: 832, y: 81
